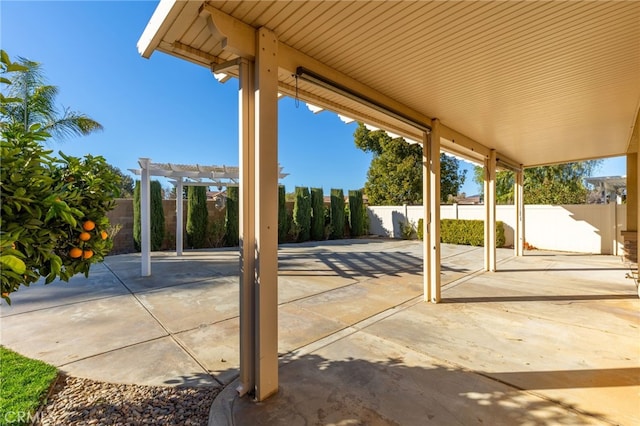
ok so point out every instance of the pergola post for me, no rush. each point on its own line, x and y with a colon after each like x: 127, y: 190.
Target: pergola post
x: 145, y: 217
x: 431, y: 203
x: 490, y: 212
x: 179, y: 217
x: 518, y: 201
x: 266, y: 213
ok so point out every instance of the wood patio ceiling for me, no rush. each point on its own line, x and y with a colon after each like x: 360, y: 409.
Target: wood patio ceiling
x: 540, y: 82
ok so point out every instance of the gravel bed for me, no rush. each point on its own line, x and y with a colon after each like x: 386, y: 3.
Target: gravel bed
x: 76, y: 401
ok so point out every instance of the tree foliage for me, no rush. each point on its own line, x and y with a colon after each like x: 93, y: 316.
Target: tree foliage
x: 197, y: 216
x: 395, y: 173
x: 232, y: 219
x: 53, y: 221
x: 317, y: 214
x: 37, y: 105
x: 157, y: 225
x: 356, y: 213
x: 337, y: 214
x: 283, y: 223
x: 157, y: 215
x: 302, y: 213
x: 126, y: 182
x: 556, y: 184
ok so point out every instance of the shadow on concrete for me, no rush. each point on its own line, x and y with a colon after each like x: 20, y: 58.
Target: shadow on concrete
x: 540, y: 298
x: 317, y: 390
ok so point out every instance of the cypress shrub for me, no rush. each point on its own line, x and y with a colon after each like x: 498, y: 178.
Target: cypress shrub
x: 317, y: 214
x: 420, y: 230
x: 283, y: 223
x: 355, y: 212
x: 137, y: 220
x: 232, y: 219
x: 302, y: 213
x: 337, y: 213
x: 197, y: 216
x: 157, y: 216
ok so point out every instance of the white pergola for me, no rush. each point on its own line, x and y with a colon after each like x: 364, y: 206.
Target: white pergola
x: 180, y: 175
x: 506, y: 84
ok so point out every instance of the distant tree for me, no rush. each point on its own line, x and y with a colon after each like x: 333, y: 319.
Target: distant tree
x: 126, y: 183
x: 395, y: 173
x: 157, y: 226
x: 337, y: 214
x: 451, y: 177
x: 157, y: 215
x: 356, y: 213
x: 556, y: 184
x: 317, y: 214
x: 302, y: 213
x: 38, y: 105
x: 283, y: 223
x: 197, y: 216
x: 232, y: 219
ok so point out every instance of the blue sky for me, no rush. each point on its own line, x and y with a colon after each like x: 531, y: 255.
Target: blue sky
x: 165, y: 108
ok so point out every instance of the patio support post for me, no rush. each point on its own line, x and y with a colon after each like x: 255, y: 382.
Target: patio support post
x: 266, y: 213
x: 145, y: 217
x: 247, y: 221
x: 630, y: 234
x: 431, y: 201
x: 179, y: 217
x: 518, y: 201
x: 490, y: 212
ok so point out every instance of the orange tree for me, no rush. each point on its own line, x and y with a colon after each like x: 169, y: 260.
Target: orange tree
x: 53, y: 220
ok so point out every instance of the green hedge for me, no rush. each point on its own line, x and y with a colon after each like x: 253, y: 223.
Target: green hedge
x: 356, y: 208
x: 157, y: 226
x: 302, y: 213
x: 464, y: 232
x: 317, y: 214
x: 157, y: 216
x: 232, y: 219
x: 197, y: 216
x: 337, y: 214
x: 283, y: 222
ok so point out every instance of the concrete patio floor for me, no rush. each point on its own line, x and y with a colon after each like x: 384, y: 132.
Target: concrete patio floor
x: 552, y: 338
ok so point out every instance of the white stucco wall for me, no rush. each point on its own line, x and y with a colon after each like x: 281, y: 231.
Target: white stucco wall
x: 587, y: 228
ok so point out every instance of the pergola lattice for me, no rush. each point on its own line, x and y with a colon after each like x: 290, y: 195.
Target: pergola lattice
x: 180, y: 175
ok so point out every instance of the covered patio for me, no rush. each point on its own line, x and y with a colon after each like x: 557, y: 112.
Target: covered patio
x: 507, y: 84
x: 551, y: 338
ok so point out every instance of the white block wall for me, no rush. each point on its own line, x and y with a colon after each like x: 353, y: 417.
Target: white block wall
x: 588, y: 228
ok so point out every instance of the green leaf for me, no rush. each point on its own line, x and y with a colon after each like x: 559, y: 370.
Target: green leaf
x: 13, y: 263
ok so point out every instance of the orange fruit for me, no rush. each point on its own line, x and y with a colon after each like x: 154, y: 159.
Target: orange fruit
x: 87, y: 254
x: 75, y: 252
x: 104, y: 235
x: 5, y: 294
x: 88, y: 225
x: 84, y: 236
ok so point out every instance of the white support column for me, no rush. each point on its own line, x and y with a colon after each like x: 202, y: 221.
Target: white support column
x: 518, y: 201
x: 247, y: 221
x: 266, y: 212
x: 145, y: 217
x: 179, y: 217
x: 490, y: 212
x: 426, y: 214
x: 434, y: 207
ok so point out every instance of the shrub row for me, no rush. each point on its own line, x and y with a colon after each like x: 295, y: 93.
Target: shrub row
x: 465, y: 232
x: 310, y: 219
